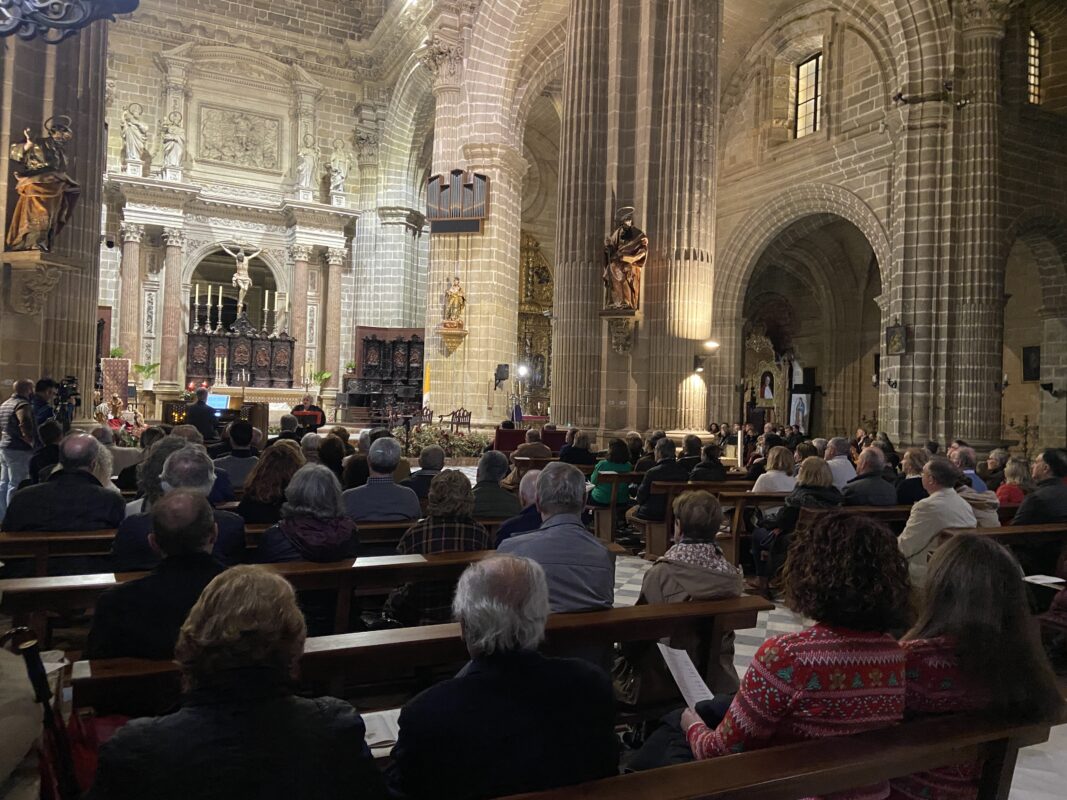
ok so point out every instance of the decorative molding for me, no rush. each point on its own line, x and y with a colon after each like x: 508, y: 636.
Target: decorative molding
x: 34, y: 275
x: 987, y: 13
x: 149, y: 313
x: 367, y: 148
x: 451, y: 337
x: 336, y: 256
x: 443, y: 58
x: 131, y: 232
x: 300, y: 252
x: 621, y: 332
x: 173, y: 237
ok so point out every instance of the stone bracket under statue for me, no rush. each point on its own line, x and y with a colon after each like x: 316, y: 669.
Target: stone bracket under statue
x: 30, y: 276
x: 251, y: 357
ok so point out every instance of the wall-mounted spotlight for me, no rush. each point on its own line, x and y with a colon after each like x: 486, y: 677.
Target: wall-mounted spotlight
x: 699, y: 362
x: 1054, y: 393
x: 891, y: 383
x: 711, y: 344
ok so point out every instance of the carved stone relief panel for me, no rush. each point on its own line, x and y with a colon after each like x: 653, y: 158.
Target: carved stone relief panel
x: 240, y: 139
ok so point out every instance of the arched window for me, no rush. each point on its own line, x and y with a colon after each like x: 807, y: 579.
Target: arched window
x: 808, y: 111
x: 1033, y: 68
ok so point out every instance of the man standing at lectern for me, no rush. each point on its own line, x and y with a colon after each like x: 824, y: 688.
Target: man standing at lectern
x: 309, y: 423
x: 202, y: 416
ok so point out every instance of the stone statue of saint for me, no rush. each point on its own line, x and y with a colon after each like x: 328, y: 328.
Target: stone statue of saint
x: 340, y: 164
x: 455, y: 302
x: 173, y: 141
x: 134, y: 133
x: 307, y: 163
x: 242, y: 281
x: 46, y: 193
x: 625, y: 252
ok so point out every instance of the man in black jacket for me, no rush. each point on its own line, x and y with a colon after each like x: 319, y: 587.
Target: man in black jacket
x: 1048, y: 502
x: 202, y: 416
x: 539, y: 722
x: 869, y: 488
x: 431, y: 462
x: 141, y: 619
x: 653, y: 507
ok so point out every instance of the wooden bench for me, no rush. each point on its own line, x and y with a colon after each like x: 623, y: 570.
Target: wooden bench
x: 824, y: 766
x: 893, y: 516
x: 606, y: 518
x: 380, y: 656
x: 658, y: 534
x: 1015, y: 534
x: 740, y: 501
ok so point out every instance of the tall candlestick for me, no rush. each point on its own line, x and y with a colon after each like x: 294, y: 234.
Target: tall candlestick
x: 197, y: 287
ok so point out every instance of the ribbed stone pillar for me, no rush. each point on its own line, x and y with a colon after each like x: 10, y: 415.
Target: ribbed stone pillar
x: 331, y: 357
x: 978, y: 267
x: 130, y: 291
x: 175, y: 318
x: 679, y: 274
x: 582, y: 218
x: 298, y: 309
x: 1053, y: 422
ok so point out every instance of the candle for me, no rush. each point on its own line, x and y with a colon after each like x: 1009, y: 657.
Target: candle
x: 275, y: 302
x: 197, y: 287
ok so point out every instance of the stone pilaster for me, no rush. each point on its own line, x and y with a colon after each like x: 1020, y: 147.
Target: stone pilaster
x: 175, y: 311
x: 365, y: 241
x: 582, y: 216
x: 1053, y: 421
x: 331, y: 359
x: 298, y: 309
x: 396, y: 280
x: 130, y: 290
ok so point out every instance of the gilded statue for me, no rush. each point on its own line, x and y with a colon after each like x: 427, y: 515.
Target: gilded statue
x: 134, y: 133
x: 625, y: 252
x: 242, y: 281
x: 307, y: 163
x: 455, y: 303
x: 46, y: 194
x: 173, y: 141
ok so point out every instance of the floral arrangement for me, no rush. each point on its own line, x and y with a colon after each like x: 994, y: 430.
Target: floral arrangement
x: 455, y: 445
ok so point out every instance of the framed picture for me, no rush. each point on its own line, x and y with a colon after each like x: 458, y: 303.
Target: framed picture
x: 896, y: 340
x: 1031, y: 363
x: 800, y: 411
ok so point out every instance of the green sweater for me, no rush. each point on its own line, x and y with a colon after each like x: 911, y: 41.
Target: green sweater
x: 602, y: 492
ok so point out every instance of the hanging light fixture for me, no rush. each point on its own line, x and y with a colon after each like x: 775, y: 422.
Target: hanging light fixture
x: 55, y: 20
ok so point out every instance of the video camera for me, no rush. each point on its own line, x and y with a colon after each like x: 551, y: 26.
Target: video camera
x: 68, y: 398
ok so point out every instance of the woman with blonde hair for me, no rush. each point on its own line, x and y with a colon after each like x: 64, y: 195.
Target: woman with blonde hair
x: 240, y: 731
x: 911, y: 490
x: 779, y: 474
x: 1017, y: 482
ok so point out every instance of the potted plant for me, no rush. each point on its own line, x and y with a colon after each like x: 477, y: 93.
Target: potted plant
x: 117, y: 352
x: 350, y: 367
x: 319, y: 378
x: 147, y: 373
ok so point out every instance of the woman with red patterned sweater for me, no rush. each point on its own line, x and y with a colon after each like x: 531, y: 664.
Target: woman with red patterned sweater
x: 974, y: 648
x: 843, y: 675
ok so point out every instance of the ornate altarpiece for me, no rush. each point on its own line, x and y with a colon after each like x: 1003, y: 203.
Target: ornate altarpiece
x: 535, y: 324
x: 761, y: 361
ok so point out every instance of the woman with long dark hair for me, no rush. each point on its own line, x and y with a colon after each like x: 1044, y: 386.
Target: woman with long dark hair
x: 975, y: 647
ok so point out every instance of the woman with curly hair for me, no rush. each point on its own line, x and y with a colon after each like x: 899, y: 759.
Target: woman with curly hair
x: 843, y: 675
x: 240, y: 731
x: 261, y: 503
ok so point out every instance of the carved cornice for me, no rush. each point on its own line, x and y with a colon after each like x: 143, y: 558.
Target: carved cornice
x: 398, y: 215
x: 131, y: 232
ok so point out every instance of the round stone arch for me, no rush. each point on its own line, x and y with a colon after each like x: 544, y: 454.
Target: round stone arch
x: 1044, y: 231
x: 543, y: 67
x: 410, y: 108
x: 273, y: 259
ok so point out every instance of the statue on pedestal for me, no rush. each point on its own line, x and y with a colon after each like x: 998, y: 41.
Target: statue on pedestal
x: 340, y: 164
x: 134, y: 133
x: 173, y: 141
x: 625, y: 252
x: 307, y: 163
x: 455, y: 303
x: 46, y: 193
x: 242, y: 281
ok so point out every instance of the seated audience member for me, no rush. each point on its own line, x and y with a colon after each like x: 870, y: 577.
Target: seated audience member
x: 240, y: 461
x: 778, y: 476
x: 995, y: 465
x: 127, y: 478
x: 580, y: 569
x: 288, y: 428
x: 240, y: 731
x: 356, y: 470
x: 885, y: 444
x: 568, y: 442
x: 141, y: 618
x: 759, y: 464
x: 985, y: 505
x: 617, y: 460
x: 820, y: 446
x: 381, y: 499
x: 1047, y: 503
x: 343, y: 434
x: 332, y: 455
x: 74, y: 497
x: 533, y: 447
x: 313, y: 422
x: 944, y: 508
x: 975, y: 647
x: 309, y: 446
x: 431, y: 462
x: 121, y: 457
x: 222, y: 491
x: 264, y: 494
x: 579, y: 452
x: 710, y: 467
x: 313, y: 525
x: 1015, y: 482
x: 840, y: 467
x: 47, y: 457
x: 804, y: 450
x: 188, y: 468
x: 693, y: 568
x: 690, y: 457
x: 771, y: 539
x: 648, y: 458
x: 966, y: 460
x: 448, y: 527
x: 653, y: 507
x: 539, y: 722
x: 869, y: 487
x: 491, y: 499
x: 843, y: 675
x: 635, y: 445
x: 932, y: 447
x: 529, y: 519
x: 910, y: 490
x: 149, y: 472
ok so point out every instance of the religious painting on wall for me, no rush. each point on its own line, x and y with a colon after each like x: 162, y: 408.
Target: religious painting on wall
x: 1031, y: 363
x: 766, y: 386
x: 800, y: 411
x: 896, y: 340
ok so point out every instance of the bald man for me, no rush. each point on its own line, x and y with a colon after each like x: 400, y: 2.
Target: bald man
x: 73, y: 498
x: 18, y: 440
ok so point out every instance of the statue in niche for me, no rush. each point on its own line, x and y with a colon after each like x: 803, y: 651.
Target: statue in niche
x: 340, y: 164
x: 134, y: 133
x: 455, y: 303
x: 307, y: 163
x: 173, y: 141
x: 46, y: 193
x: 242, y: 281
x: 625, y: 252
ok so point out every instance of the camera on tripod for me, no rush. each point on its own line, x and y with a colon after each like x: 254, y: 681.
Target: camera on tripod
x: 68, y: 398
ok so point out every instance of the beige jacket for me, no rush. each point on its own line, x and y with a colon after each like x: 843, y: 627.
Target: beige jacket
x: 984, y: 505
x: 943, y: 509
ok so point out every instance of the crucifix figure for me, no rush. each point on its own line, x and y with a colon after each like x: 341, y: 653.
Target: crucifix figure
x: 241, y: 279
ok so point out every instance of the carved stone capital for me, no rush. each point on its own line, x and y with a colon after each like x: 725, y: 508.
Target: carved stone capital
x: 131, y: 232
x: 987, y: 15
x: 336, y: 256
x: 443, y: 57
x: 173, y: 237
x: 300, y: 252
x: 366, y: 148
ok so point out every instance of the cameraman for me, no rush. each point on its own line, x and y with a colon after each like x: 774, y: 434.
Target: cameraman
x: 43, y: 400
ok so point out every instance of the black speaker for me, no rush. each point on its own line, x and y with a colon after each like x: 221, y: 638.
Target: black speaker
x: 503, y: 372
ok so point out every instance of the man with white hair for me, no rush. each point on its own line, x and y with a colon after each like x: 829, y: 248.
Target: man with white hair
x: 381, y: 499
x: 512, y: 721
x: 837, y: 459
x: 529, y: 519
x: 869, y: 487
x: 309, y: 446
x: 189, y: 468
x: 73, y: 498
x: 965, y: 458
x: 121, y: 457
x: 580, y: 569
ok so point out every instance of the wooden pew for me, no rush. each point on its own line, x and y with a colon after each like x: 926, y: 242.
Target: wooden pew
x: 741, y: 501
x: 378, y: 656
x: 658, y: 534
x: 605, y: 519
x: 893, y: 516
x: 824, y: 766
x: 1015, y: 534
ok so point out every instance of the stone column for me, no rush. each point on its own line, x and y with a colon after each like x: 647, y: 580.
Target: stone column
x: 583, y: 224
x: 977, y: 267
x: 365, y: 240
x: 1053, y: 421
x: 175, y: 316
x: 678, y: 277
x: 298, y: 307
x: 331, y: 359
x: 130, y: 291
